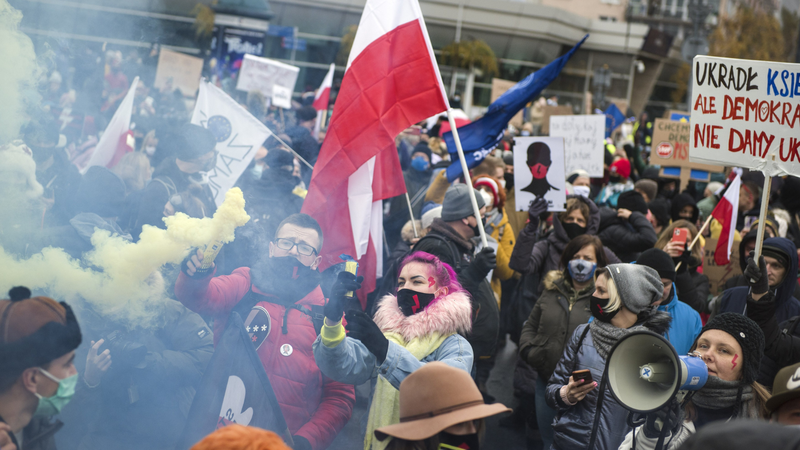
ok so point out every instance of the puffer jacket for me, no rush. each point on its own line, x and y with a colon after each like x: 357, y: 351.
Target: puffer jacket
x: 314, y: 406
x: 558, y: 312
x: 573, y: 424
x: 499, y: 228
x: 530, y: 256
x: 685, y: 326
x: 626, y: 238
x: 787, y: 306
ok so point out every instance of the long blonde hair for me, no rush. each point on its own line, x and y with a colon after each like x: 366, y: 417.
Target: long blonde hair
x: 614, y: 300
x: 134, y: 169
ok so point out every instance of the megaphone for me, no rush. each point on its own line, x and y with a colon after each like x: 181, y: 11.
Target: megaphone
x: 645, y: 372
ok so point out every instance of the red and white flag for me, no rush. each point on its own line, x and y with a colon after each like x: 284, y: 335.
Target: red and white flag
x: 726, y: 212
x: 391, y: 82
x: 322, y: 98
x: 117, y: 139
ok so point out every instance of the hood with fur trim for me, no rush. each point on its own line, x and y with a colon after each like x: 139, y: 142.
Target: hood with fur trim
x: 446, y: 315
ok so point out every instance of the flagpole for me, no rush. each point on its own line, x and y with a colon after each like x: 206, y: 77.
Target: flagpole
x: 275, y: 135
x: 694, y: 241
x: 411, y: 214
x: 762, y: 216
x: 465, y: 169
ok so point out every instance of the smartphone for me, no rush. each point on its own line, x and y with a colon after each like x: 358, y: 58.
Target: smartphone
x: 680, y: 235
x: 584, y: 375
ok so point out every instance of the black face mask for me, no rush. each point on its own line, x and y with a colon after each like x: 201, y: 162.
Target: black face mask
x: 449, y: 441
x: 475, y: 230
x: 509, y: 177
x: 284, y: 276
x: 614, y: 178
x: 597, y: 305
x: 412, y: 302
x: 573, y: 230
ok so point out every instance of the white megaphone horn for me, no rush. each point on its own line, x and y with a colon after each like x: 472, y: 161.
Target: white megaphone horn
x: 645, y: 372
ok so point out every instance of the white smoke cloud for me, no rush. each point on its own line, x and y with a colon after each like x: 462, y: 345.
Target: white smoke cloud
x: 20, y: 71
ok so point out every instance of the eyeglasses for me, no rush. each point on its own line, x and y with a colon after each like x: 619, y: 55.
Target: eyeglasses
x: 287, y: 245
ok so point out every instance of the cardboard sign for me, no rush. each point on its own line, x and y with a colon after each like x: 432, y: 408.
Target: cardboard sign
x: 281, y: 96
x: 671, y: 146
x: 583, y: 141
x: 499, y: 87
x: 539, y: 171
x: 184, y: 70
x: 555, y: 111
x: 260, y: 74
x: 718, y: 275
x: 746, y: 113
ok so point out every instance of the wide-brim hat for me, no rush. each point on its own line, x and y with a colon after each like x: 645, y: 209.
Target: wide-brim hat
x: 436, y: 397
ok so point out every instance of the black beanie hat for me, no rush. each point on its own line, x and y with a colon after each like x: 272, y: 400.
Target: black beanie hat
x: 650, y: 173
x: 660, y: 209
x: 422, y: 147
x: 660, y: 261
x: 773, y: 251
x: 632, y: 201
x: 749, y: 336
x: 279, y: 159
x: 306, y: 113
x: 191, y: 142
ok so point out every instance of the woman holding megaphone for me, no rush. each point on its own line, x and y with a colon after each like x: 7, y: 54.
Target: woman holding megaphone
x: 732, y: 346
x: 620, y: 304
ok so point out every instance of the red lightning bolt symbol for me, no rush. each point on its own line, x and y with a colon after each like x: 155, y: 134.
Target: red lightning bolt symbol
x: 431, y: 281
x: 415, y: 308
x: 734, y: 361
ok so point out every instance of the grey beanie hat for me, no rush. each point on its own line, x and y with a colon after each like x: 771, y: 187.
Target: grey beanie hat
x: 638, y: 286
x: 457, y: 204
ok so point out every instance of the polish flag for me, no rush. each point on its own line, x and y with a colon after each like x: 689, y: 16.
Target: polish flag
x: 117, y: 139
x: 391, y: 82
x: 322, y: 98
x: 726, y: 212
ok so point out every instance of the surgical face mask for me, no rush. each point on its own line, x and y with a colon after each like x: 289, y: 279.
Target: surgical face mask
x: 488, y: 199
x: 525, y: 133
x: 598, y: 305
x: 412, y: 302
x: 256, y: 171
x: 581, y: 270
x: 503, y: 183
x: 50, y: 406
x: 583, y: 191
x: 150, y: 150
x: 419, y: 163
x: 449, y: 441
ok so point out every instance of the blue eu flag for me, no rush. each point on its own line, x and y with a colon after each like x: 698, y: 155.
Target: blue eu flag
x: 614, y: 118
x: 480, y: 137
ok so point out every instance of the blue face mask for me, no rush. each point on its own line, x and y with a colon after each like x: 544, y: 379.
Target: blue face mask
x: 580, y: 270
x: 419, y: 163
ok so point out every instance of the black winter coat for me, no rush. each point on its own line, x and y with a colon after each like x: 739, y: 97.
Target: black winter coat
x: 693, y: 289
x: 458, y: 252
x: 781, y: 343
x: 626, y: 238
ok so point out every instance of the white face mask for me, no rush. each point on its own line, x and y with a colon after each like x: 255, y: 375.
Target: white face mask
x: 150, y: 150
x: 583, y: 191
x: 503, y: 183
x: 488, y: 199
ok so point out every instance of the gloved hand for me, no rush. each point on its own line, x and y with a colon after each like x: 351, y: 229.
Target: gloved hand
x: 685, y: 259
x: 301, y: 443
x: 756, y: 275
x: 667, y: 417
x: 361, y: 326
x: 344, y: 283
x: 536, y: 209
x: 484, y: 262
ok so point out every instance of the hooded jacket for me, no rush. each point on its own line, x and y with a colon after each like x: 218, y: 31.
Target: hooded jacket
x: 315, y: 407
x: 786, y: 305
x: 679, y: 202
x: 530, y: 256
x: 626, y: 238
x: 685, y: 325
x: 573, y: 424
x: 348, y: 361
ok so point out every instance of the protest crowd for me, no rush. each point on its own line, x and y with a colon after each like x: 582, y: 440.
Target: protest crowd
x: 479, y: 283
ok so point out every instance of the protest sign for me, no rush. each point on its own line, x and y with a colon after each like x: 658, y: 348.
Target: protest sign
x: 746, y: 113
x: 184, y: 70
x: 553, y: 111
x: 260, y: 74
x: 583, y: 141
x: 239, y: 135
x: 539, y: 171
x: 499, y: 87
x: 671, y: 146
x: 281, y: 96
x: 718, y: 275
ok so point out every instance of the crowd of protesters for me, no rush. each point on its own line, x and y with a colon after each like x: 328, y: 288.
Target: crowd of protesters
x: 562, y: 287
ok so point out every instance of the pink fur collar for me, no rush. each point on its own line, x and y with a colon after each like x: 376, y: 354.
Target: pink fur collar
x: 447, y: 315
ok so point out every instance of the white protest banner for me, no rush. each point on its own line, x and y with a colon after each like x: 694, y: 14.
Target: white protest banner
x: 239, y: 136
x: 281, y: 97
x: 260, y: 74
x: 539, y: 171
x: 583, y: 141
x: 183, y: 70
x: 746, y: 113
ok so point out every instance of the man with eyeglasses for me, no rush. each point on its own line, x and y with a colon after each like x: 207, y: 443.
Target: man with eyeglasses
x: 194, y: 154
x: 282, y: 306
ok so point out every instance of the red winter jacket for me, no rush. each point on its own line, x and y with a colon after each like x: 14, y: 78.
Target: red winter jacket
x: 315, y: 407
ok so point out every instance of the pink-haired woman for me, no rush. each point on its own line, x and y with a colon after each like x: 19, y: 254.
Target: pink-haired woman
x: 423, y: 323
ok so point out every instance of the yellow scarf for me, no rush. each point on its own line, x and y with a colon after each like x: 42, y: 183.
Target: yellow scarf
x: 385, y: 408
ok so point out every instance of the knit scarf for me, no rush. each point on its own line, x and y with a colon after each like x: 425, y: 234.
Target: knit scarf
x: 605, y: 335
x: 385, y: 409
x: 718, y: 394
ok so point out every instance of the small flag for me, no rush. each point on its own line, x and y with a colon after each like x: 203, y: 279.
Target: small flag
x: 114, y: 142
x: 614, y: 118
x: 726, y: 212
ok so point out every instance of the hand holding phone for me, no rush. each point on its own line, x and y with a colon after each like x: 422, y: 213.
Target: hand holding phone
x: 680, y: 235
x: 584, y: 375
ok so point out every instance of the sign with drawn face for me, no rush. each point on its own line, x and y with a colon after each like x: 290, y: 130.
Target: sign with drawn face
x: 539, y: 172
x: 746, y: 113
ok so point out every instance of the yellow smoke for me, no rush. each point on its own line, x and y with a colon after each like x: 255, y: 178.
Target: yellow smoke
x: 122, y: 284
